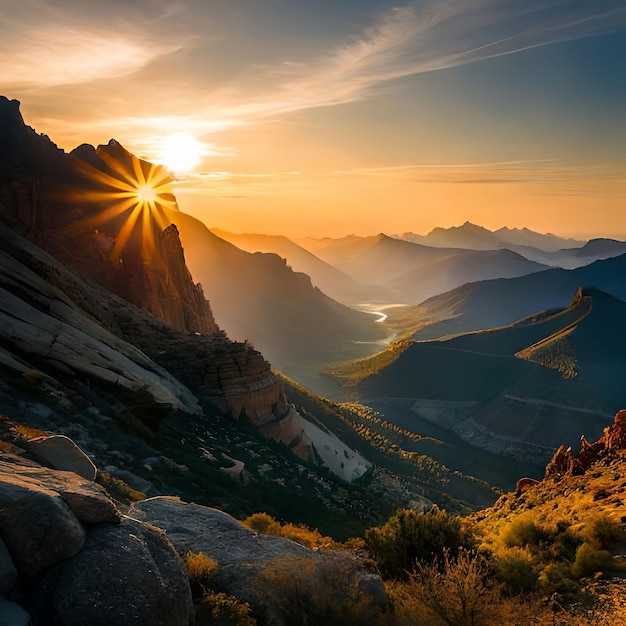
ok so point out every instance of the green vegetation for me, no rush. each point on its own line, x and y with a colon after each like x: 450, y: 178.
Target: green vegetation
x: 424, y: 479
x: 356, y: 370
x: 409, y: 537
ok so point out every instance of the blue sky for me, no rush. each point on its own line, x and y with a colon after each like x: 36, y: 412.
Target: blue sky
x: 339, y: 116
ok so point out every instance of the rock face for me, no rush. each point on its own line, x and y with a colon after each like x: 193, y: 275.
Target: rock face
x: 43, y: 324
x: 141, y: 259
x: 564, y: 463
x: 242, y: 555
x: 67, y: 205
x: 77, y: 561
x: 126, y: 574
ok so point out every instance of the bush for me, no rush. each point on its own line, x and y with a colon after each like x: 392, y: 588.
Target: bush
x: 603, y: 532
x: 201, y: 571
x: 327, y: 591
x: 267, y: 525
x: 220, y: 609
x: 515, y: 568
x: 524, y: 532
x: 590, y: 560
x: 457, y: 590
x: 409, y: 537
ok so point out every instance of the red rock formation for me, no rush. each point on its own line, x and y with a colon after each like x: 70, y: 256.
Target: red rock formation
x: 615, y: 434
x: 564, y: 463
x: 524, y: 484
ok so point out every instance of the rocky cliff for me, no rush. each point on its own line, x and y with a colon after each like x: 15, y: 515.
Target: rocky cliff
x: 97, y: 211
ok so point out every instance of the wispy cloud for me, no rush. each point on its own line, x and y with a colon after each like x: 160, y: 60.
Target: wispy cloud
x: 423, y: 37
x: 538, y: 177
x: 43, y: 45
x: 76, y: 47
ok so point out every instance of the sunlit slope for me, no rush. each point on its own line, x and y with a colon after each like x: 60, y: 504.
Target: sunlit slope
x: 492, y: 303
x: 475, y: 385
x: 257, y: 297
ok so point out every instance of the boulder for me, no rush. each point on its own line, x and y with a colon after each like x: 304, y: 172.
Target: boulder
x: 260, y: 569
x: 37, y: 526
x: 88, y: 501
x: 61, y: 453
x: 126, y: 574
x: 8, y: 573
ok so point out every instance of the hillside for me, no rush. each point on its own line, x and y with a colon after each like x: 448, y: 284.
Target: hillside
x: 333, y: 282
x: 492, y: 303
x: 470, y: 383
x: 257, y: 297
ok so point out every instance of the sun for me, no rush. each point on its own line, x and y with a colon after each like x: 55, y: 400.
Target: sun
x: 181, y: 152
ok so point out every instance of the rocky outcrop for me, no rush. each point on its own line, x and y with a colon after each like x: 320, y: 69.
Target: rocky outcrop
x: 76, y: 560
x: 564, y: 463
x: 42, y: 512
x: 126, y: 574
x: 243, y: 556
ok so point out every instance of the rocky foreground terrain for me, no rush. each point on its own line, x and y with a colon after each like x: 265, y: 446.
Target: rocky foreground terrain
x: 70, y: 554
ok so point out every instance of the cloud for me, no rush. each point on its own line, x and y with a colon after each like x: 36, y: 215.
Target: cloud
x: 43, y: 46
x: 423, y: 37
x: 154, y: 89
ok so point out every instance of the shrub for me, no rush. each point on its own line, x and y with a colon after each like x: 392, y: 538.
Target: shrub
x: 590, y: 560
x: 327, y: 590
x: 201, y: 571
x: 457, y: 590
x: 300, y: 533
x: 409, y: 536
x: 524, y: 532
x: 220, y: 609
x: 516, y: 569
x: 556, y: 578
x: 603, y: 532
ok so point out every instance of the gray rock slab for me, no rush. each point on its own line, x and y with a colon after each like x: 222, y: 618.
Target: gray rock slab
x: 127, y: 574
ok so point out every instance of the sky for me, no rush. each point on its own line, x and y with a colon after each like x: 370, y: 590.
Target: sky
x: 330, y: 117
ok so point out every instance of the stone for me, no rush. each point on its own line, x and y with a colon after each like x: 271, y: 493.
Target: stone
x: 88, y: 501
x: 61, y: 453
x: 243, y: 555
x: 615, y: 434
x: 37, y: 526
x: 8, y: 573
x: 523, y: 484
x: 126, y: 574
